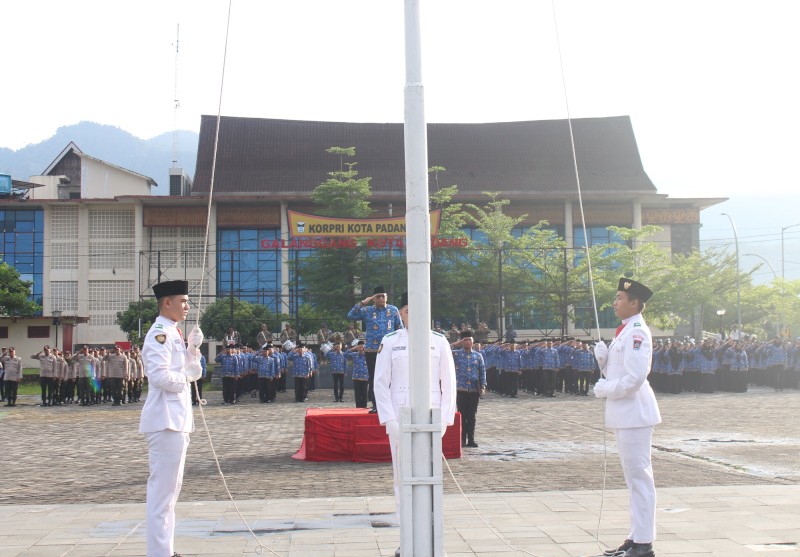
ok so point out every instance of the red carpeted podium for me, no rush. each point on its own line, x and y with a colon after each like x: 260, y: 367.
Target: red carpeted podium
x: 353, y: 434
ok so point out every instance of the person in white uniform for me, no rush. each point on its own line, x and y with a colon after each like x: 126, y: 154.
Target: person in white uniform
x: 392, y: 385
x: 632, y: 411
x: 166, y: 419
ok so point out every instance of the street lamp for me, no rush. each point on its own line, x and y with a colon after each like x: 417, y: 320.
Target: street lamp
x: 56, y: 321
x: 785, y: 228
x: 721, y: 314
x: 738, y: 286
x: 762, y: 258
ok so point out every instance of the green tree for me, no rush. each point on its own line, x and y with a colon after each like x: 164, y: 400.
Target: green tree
x: 247, y: 319
x: 15, y: 293
x: 144, y: 311
x: 331, y: 279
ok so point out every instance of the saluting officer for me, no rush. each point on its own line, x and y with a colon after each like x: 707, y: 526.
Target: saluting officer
x: 379, y: 319
x: 631, y: 410
x: 12, y: 364
x: 47, y: 374
x: 118, y: 368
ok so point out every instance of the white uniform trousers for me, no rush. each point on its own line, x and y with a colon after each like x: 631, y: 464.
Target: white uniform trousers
x: 634, y: 454
x: 394, y: 445
x: 167, y: 450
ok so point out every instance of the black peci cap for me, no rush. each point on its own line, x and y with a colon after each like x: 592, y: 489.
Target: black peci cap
x: 637, y: 289
x: 171, y: 288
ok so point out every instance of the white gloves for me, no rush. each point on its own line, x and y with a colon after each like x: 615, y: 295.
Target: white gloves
x: 193, y: 370
x: 601, y: 354
x: 599, y: 388
x: 195, y: 338
x: 393, y: 430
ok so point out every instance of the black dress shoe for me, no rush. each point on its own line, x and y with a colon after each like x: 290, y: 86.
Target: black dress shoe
x: 373, y: 410
x: 626, y: 545
x: 472, y: 444
x: 641, y: 550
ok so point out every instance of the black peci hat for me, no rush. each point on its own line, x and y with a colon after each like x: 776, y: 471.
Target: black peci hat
x: 378, y: 290
x: 403, y: 300
x: 467, y: 333
x: 634, y: 288
x: 171, y: 288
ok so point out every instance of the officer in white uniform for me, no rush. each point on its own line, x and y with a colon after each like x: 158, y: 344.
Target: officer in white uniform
x: 392, y: 385
x: 166, y: 419
x: 632, y: 411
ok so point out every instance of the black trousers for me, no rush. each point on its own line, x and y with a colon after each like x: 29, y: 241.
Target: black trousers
x: 338, y: 385
x: 371, y: 358
x: 467, y: 404
x: 360, y: 390
x: 199, y: 385
x: 47, y: 384
x: 229, y: 389
x: 115, y: 389
x: 11, y: 391
x: 263, y: 388
x: 300, y: 389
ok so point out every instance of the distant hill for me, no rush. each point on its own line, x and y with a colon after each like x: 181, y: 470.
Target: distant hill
x: 151, y: 157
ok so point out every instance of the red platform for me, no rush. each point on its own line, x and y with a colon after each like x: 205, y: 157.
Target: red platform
x: 353, y: 434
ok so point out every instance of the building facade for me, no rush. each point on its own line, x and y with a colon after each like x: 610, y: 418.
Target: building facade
x: 92, y: 238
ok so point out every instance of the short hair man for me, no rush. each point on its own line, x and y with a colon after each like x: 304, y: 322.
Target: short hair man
x: 166, y: 419
x: 379, y: 319
x: 631, y: 410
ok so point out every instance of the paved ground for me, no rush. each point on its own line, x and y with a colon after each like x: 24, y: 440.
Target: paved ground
x: 732, y: 458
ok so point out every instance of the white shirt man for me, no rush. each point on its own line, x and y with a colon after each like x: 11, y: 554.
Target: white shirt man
x: 632, y: 411
x: 392, y: 385
x: 166, y: 417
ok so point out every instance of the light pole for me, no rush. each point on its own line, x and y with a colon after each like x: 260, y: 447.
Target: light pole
x: 762, y: 258
x: 738, y: 285
x: 784, y: 229
x: 721, y: 314
x: 56, y: 321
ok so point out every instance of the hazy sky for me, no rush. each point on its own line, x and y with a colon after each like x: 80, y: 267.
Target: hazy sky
x: 712, y: 86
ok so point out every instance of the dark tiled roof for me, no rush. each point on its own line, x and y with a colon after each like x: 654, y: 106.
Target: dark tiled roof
x: 288, y: 156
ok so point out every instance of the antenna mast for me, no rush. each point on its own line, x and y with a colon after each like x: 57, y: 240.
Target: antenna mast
x: 177, y: 102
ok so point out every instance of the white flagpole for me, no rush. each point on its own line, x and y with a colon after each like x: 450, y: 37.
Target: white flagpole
x: 418, y: 256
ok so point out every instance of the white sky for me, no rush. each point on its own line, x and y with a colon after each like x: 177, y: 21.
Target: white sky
x: 712, y: 86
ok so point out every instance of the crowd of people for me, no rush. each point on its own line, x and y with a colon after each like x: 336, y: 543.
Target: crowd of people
x: 92, y: 376
x: 725, y: 365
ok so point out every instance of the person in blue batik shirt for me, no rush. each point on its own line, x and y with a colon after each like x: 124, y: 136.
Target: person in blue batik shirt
x: 470, y: 385
x: 338, y: 360
x: 360, y: 374
x: 379, y: 320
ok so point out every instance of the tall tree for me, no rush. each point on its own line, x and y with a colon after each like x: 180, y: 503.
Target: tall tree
x: 331, y: 279
x: 144, y: 312
x: 15, y: 293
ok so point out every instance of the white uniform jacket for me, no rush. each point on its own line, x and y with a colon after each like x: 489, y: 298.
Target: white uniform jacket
x: 169, y: 401
x: 392, y: 377
x: 631, y: 401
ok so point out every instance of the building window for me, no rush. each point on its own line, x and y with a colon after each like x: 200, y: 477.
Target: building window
x: 22, y: 245
x: 3, y: 332
x: 38, y: 331
x: 247, y: 268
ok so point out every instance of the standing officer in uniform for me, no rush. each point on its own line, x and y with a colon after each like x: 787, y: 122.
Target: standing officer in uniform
x: 47, y: 375
x: 167, y: 413
x: 631, y: 410
x: 338, y: 360
x: 470, y: 385
x: 118, y: 371
x: 392, y: 385
x: 12, y: 364
x: 379, y: 320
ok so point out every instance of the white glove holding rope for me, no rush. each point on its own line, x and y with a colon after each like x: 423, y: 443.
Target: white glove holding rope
x: 601, y: 355
x: 193, y: 369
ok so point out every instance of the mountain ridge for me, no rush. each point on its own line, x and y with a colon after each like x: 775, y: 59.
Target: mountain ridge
x: 150, y: 157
